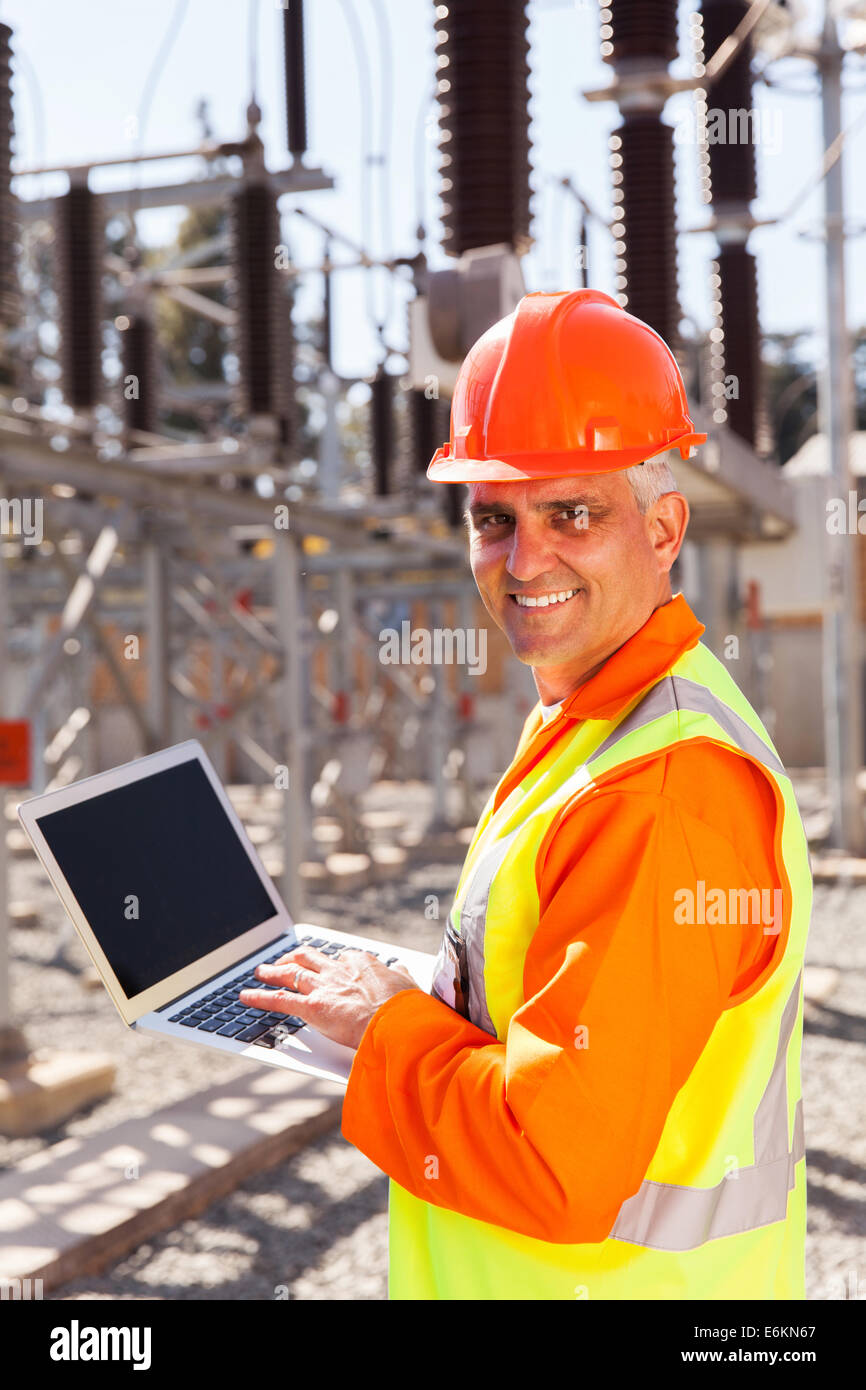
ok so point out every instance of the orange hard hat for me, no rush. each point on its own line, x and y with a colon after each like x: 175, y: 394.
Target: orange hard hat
x: 567, y: 383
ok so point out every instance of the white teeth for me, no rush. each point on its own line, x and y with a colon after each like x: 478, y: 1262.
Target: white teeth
x: 545, y: 600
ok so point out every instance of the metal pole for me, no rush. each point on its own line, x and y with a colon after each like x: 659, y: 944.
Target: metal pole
x: 5, y: 1002
x: 841, y: 668
x: 438, y: 731
x: 12, y: 1041
x: 330, y: 448
x: 158, y: 688
x: 295, y: 813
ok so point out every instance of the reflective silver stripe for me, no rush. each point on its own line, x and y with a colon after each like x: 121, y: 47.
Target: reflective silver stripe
x: 675, y: 693
x: 771, y: 1116
x: 664, y: 1216
x: 473, y: 921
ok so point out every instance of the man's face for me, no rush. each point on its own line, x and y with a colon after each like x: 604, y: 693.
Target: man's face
x: 582, y: 537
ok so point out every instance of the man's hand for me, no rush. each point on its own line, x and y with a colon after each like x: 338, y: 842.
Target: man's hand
x: 337, y: 995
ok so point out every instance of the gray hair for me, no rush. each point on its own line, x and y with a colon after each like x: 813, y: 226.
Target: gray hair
x: 650, y: 481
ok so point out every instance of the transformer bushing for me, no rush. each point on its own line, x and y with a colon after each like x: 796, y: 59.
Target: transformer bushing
x: 9, y: 290
x: 483, y: 92
x: 738, y: 395
x: 732, y: 161
x: 382, y: 430
x: 78, y: 243
x: 454, y: 494
x: 640, y: 37
x: 138, y: 352
x: 295, y: 76
x: 741, y: 352
x: 262, y: 334
x: 423, y: 415
x: 645, y: 227
x: 641, y: 29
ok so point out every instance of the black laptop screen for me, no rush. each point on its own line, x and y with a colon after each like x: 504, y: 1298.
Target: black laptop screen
x: 159, y: 872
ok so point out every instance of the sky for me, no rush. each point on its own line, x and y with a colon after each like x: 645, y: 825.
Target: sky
x: 81, y: 72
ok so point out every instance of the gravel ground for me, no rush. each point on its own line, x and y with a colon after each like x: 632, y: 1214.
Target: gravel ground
x: 315, y: 1227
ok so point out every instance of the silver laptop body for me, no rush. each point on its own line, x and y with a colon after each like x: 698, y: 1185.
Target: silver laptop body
x: 175, y: 908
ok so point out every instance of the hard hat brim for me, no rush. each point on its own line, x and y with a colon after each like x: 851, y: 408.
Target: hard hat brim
x: 443, y: 468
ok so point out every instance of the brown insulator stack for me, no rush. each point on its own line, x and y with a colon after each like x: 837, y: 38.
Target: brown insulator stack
x: 424, y: 440
x: 645, y: 229
x: 732, y: 163
x: 641, y: 29
x: 78, y: 243
x: 740, y: 346
x: 138, y: 355
x: 737, y: 386
x: 483, y: 69
x: 295, y: 75
x: 382, y: 430
x: 9, y: 295
x: 257, y: 296
x: 455, y: 494
x: 641, y: 35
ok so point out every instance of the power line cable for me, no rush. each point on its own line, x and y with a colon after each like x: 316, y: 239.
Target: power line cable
x: 386, y: 114
x: 365, y: 88
x: 148, y: 92
x: 422, y: 160
x: 253, y: 46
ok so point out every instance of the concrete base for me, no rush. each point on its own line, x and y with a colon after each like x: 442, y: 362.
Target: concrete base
x: 23, y: 915
x: 83, y: 1203
x: 835, y: 867
x: 388, y: 862
x: 39, y: 1091
x: 819, y: 983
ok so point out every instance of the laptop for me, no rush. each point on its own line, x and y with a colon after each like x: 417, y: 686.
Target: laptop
x: 176, y: 910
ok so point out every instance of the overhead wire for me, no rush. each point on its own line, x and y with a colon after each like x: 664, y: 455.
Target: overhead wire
x: 422, y: 160
x: 157, y: 68
x: 253, y: 46
x: 365, y: 89
x: 386, y: 59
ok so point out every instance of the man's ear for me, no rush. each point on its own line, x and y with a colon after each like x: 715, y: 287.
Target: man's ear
x: 667, y: 520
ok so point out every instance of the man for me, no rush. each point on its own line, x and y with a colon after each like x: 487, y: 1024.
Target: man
x: 601, y: 1096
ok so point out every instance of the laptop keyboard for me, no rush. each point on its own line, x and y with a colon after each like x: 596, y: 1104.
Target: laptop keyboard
x: 221, y: 1011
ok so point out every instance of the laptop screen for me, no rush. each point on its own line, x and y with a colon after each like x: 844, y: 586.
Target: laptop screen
x: 159, y: 872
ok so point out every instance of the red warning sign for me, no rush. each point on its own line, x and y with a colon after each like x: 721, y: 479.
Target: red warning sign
x: 14, y: 752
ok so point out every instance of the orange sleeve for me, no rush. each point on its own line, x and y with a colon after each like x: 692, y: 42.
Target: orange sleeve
x: 548, y: 1132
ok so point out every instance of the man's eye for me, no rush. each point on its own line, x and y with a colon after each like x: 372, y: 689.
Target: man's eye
x: 578, y: 516
x: 496, y: 519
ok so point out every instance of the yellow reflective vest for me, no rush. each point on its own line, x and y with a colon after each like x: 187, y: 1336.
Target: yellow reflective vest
x: 721, y: 1211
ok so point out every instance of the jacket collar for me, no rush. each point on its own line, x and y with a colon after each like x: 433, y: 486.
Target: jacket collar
x: 669, y: 631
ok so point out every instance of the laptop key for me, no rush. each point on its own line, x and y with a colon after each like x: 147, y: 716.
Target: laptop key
x: 211, y: 1025
x: 193, y: 1021
x: 229, y: 1030
x: 252, y: 1032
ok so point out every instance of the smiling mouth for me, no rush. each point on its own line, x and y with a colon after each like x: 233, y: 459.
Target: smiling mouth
x: 542, y: 602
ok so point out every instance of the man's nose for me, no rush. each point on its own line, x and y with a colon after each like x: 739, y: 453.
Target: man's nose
x: 530, y: 553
